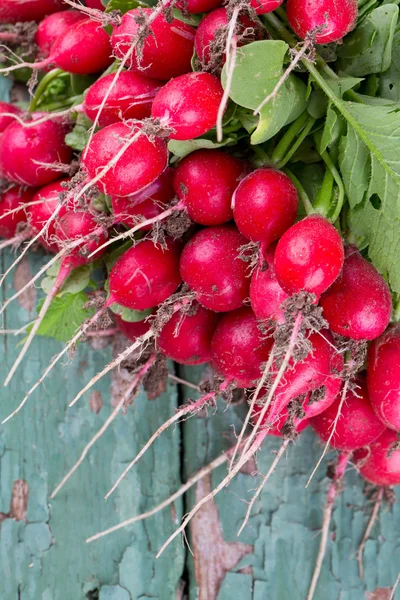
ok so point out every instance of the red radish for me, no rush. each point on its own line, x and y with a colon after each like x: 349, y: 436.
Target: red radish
x: 265, y: 6
x: 210, y: 29
x: 266, y: 295
x: 138, y: 160
x: 82, y: 49
x: 383, y: 376
x: 75, y: 225
x: 131, y: 97
x: 324, y: 21
x: 145, y: 275
x: 132, y: 329
x: 5, y: 107
x: 97, y: 4
x: 53, y: 26
x: 28, y: 10
x: 186, y: 338
x: 280, y: 423
x: 380, y: 462
x: 358, y: 305
x: 211, y: 267
x: 46, y: 201
x: 10, y: 200
x: 239, y: 349
x: 27, y: 154
x: 167, y: 50
x: 195, y: 7
x: 309, y: 256
x: 205, y: 181
x: 128, y: 210
x: 357, y: 426
x: 189, y: 105
x: 265, y: 205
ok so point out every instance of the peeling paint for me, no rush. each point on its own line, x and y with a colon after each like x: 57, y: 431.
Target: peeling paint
x: 19, y: 500
x: 95, y: 402
x: 22, y: 275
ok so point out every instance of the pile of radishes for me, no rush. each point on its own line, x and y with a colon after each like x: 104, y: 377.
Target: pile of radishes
x: 213, y: 255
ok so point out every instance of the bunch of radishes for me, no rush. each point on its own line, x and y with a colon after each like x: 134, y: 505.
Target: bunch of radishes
x: 219, y: 266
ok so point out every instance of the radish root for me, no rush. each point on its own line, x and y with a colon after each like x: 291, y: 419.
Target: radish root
x: 367, y: 533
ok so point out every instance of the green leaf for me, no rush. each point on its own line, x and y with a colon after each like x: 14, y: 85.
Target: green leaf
x: 131, y: 316
x: 182, y: 149
x: 76, y: 282
x: 79, y: 136
x: 334, y: 128
x: 65, y: 315
x: 368, y: 49
x: 125, y: 5
x: 258, y: 68
x: 389, y: 81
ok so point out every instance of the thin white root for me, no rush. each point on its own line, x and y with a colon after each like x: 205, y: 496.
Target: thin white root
x: 395, y: 587
x: 230, y: 53
x: 243, y: 459
x: 183, y: 382
x: 332, y: 433
x: 14, y: 241
x: 190, y: 409
x: 251, y: 408
x: 330, y: 501
x: 271, y: 470
x: 54, y: 361
x: 182, y: 490
x: 114, y: 363
x: 367, y: 533
x: 299, y: 55
x: 107, y: 423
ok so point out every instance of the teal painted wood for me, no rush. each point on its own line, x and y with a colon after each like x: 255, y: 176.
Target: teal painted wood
x: 46, y: 558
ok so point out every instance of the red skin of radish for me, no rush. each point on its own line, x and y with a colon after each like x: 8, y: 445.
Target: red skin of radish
x: 357, y: 425
x: 74, y: 225
x: 195, y: 7
x: 265, y: 205
x: 276, y: 428
x: 145, y: 275
x: 239, y: 349
x: 210, y: 266
x: 263, y: 7
x: 189, y: 105
x: 205, y: 181
x: 10, y: 200
x: 5, y: 107
x: 95, y: 4
x: 377, y: 463
x: 266, y: 295
x: 383, y: 376
x: 309, y: 256
x: 53, y: 26
x: 335, y: 18
x: 167, y: 51
x: 82, y: 49
x: 142, y: 162
x: 22, y: 149
x: 28, y: 10
x: 132, y: 330
x: 131, y: 97
x: 127, y: 211
x: 210, y: 26
x: 358, y: 305
x: 186, y: 339
x: 38, y: 214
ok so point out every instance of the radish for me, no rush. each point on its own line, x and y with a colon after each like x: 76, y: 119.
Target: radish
x: 97, y: 4
x: 195, y: 7
x: 130, y: 97
x: 382, y: 376
x: 132, y: 329
x: 205, y: 181
x: 239, y: 349
x: 51, y: 27
x: 34, y: 155
x: 138, y: 160
x: 324, y: 21
x: 265, y: 6
x: 145, y: 275
x: 266, y: 295
x: 358, y: 424
x: 186, y: 338
x: 5, y: 110
x: 82, y: 49
x: 165, y: 52
x: 13, y: 214
x: 309, y: 256
x: 28, y: 10
x: 265, y: 205
x: 358, y: 305
x: 211, y: 267
x: 380, y: 462
x: 211, y: 36
x: 189, y: 105
x: 44, y: 203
